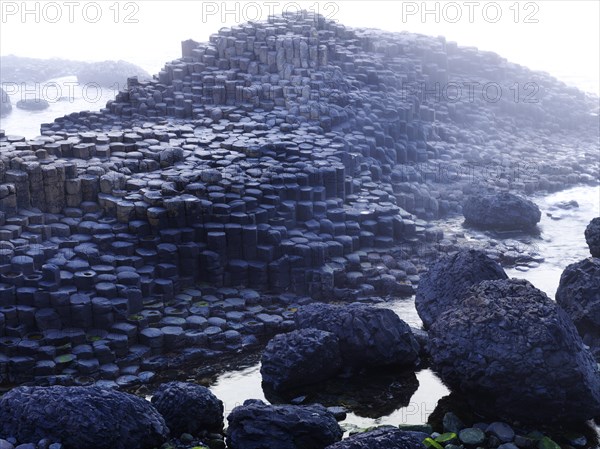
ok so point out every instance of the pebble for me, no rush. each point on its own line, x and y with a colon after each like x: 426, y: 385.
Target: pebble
x: 472, y: 437
x: 502, y: 431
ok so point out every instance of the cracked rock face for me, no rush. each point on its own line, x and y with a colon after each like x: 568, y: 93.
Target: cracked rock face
x: 368, y: 336
x: 81, y: 417
x: 188, y: 408
x: 301, y: 357
x: 449, y: 279
x: 514, y: 353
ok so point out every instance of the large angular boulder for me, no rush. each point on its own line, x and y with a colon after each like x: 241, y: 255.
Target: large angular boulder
x: 449, y: 279
x: 381, y: 438
x: 189, y: 408
x: 368, y: 336
x: 592, y: 236
x: 298, y: 358
x: 579, y: 294
x: 516, y: 355
x: 256, y: 425
x: 501, y: 211
x: 81, y: 417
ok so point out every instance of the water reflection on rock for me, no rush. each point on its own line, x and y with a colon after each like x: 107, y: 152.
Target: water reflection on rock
x: 367, y: 394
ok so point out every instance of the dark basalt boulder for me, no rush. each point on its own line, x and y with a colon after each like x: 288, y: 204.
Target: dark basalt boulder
x: 5, y: 104
x: 81, y: 417
x: 298, y: 358
x: 33, y: 104
x: 368, y: 336
x: 448, y: 280
x: 592, y: 236
x: 516, y: 355
x: 189, y: 408
x: 256, y: 425
x: 501, y: 211
x: 382, y: 438
x: 579, y: 294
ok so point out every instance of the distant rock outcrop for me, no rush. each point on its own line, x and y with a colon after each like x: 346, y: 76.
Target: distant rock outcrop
x: 113, y: 74
x: 33, y: 104
x: 17, y: 69
x: 5, y: 103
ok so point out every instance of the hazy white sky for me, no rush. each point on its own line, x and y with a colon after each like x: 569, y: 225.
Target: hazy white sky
x: 560, y: 37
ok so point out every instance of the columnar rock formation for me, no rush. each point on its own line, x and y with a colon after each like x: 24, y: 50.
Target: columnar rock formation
x: 264, y: 159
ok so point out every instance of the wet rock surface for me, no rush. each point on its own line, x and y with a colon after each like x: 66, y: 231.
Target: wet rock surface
x: 592, y: 237
x: 504, y: 211
x: 448, y: 280
x: 257, y: 425
x: 514, y: 353
x: 298, y: 358
x: 368, y: 336
x: 188, y: 408
x: 80, y: 417
x: 579, y: 295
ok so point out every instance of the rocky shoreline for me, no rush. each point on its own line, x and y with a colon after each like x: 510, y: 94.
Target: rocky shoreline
x: 280, y: 164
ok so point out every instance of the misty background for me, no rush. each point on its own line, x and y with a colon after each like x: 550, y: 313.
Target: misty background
x: 564, y: 42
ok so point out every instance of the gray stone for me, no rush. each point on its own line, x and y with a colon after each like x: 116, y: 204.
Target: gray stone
x: 471, y: 436
x: 502, y: 431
